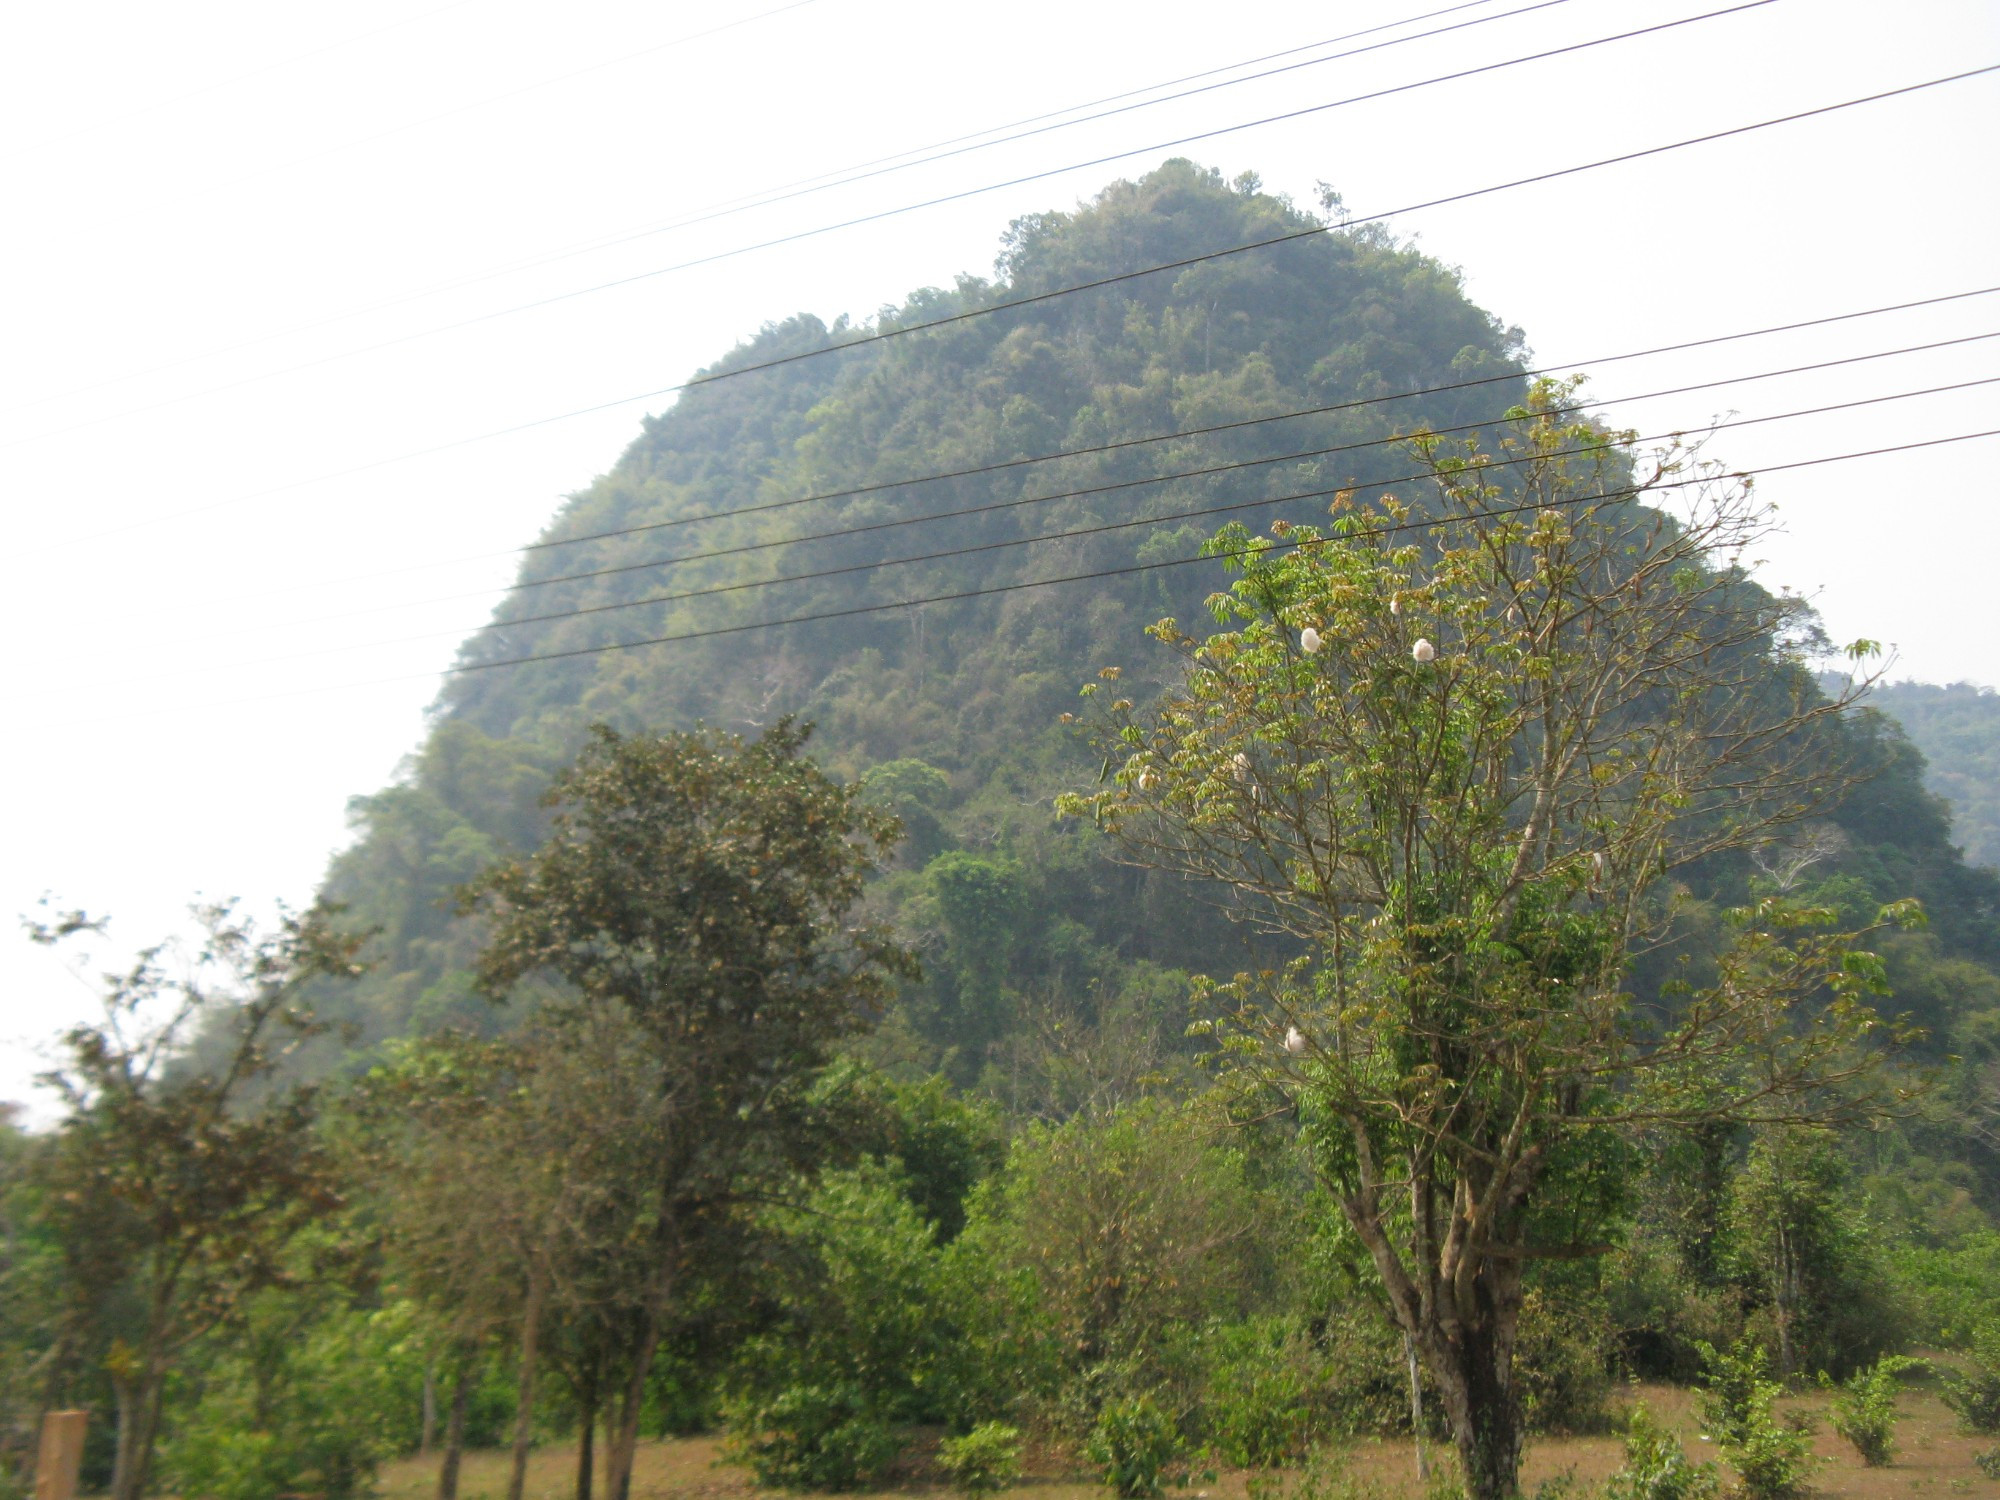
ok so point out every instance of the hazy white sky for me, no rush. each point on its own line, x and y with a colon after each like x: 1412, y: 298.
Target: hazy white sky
x: 259, y: 256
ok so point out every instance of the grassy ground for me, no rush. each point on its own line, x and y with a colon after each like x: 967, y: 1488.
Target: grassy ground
x: 1933, y: 1462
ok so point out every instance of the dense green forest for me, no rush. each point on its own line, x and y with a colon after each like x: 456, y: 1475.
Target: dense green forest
x: 1958, y: 730
x: 429, y: 1197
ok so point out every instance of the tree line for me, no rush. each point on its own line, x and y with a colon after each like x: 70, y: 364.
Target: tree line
x: 1500, y: 1108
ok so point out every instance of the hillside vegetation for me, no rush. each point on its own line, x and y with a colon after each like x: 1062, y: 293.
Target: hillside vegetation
x: 1958, y: 730
x: 1018, y: 1202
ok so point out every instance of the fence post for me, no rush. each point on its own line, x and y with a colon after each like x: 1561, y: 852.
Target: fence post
x: 61, y: 1454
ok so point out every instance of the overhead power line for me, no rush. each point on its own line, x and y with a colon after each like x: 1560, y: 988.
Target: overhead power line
x: 1126, y: 571
x: 1004, y: 465
x: 763, y: 198
x: 889, y: 213
x: 1107, y: 487
x: 1035, y: 299
x: 1210, y: 470
x: 976, y: 548
x: 1228, y: 507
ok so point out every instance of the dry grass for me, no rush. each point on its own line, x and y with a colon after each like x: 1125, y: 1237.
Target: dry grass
x: 1933, y: 1462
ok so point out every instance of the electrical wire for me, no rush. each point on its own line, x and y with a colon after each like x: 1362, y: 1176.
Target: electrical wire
x: 1034, y: 299
x: 1214, y: 469
x: 747, y: 201
x: 1020, y: 586
x: 1123, y: 443
x: 1225, y: 508
x: 960, y: 195
x: 500, y: 627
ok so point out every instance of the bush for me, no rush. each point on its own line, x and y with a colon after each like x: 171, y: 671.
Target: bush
x: 1773, y: 1462
x: 1259, y: 1421
x: 1257, y: 1400
x: 811, y: 1437
x: 1975, y: 1396
x: 986, y: 1459
x: 1657, y: 1467
x: 1988, y: 1462
x: 296, y: 1405
x: 1366, y: 1384
x: 1133, y: 1445
x: 1864, y: 1409
x: 1562, y: 1363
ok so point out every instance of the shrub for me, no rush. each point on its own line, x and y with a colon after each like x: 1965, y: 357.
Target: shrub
x: 1988, y: 1462
x: 1773, y: 1462
x: 1975, y: 1396
x: 986, y: 1459
x: 1258, y: 1397
x: 1133, y: 1445
x: 1562, y: 1363
x: 1258, y: 1421
x: 1366, y: 1384
x: 811, y: 1437
x: 1864, y: 1409
x: 1657, y: 1467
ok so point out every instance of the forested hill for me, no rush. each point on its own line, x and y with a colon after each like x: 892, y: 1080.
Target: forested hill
x: 1958, y: 730
x: 951, y: 708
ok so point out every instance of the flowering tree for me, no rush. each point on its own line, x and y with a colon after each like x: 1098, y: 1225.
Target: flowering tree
x: 1457, y: 757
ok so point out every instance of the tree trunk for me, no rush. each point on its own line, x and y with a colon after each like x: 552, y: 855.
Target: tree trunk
x: 625, y: 1440
x: 586, y: 1444
x: 524, y: 1400
x: 138, y: 1433
x: 1416, y: 1406
x: 121, y: 1463
x: 1475, y: 1377
x: 454, y: 1432
x: 428, y: 1440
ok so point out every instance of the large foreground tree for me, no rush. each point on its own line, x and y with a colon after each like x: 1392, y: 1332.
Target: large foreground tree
x: 704, y: 888
x: 1454, y: 750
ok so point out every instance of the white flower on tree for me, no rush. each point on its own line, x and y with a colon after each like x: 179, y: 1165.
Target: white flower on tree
x: 1295, y: 1041
x: 1309, y: 641
x: 1424, y: 650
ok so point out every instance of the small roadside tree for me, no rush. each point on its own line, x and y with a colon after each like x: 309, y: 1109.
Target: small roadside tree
x: 703, y: 886
x: 184, y: 1171
x: 1457, y: 757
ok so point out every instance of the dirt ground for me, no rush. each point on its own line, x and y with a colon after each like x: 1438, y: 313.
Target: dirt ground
x: 1933, y: 1461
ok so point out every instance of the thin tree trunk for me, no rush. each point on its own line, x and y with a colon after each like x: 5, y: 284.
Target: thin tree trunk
x: 524, y: 1401
x: 625, y: 1441
x: 454, y: 1432
x: 121, y: 1463
x: 428, y: 1440
x: 586, y: 1445
x: 138, y: 1433
x: 1416, y: 1406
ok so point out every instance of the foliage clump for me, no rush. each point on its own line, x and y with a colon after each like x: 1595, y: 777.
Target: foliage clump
x: 1133, y: 1446
x: 1975, y: 1394
x: 1772, y: 1460
x: 1657, y: 1467
x: 1864, y: 1409
x: 984, y: 1460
